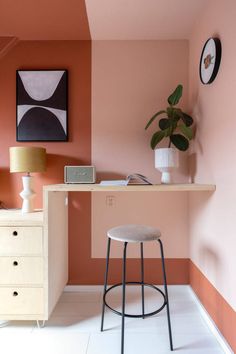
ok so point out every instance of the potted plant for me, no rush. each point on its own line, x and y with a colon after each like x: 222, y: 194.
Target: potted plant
x: 176, y: 126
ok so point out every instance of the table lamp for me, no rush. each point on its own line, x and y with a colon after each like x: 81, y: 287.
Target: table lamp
x: 27, y: 160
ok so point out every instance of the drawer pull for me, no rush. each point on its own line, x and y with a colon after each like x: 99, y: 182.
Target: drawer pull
x: 15, y: 293
x: 15, y: 233
x: 15, y: 263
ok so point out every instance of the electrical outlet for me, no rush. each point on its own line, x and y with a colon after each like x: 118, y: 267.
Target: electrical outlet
x: 110, y: 200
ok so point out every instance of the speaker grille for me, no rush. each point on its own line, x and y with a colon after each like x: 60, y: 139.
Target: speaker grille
x: 79, y: 174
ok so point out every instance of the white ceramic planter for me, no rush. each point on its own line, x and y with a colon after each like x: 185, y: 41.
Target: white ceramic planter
x: 166, y: 160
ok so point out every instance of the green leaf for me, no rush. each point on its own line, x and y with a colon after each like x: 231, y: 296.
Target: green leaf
x: 188, y: 133
x: 179, y: 141
x: 154, y: 117
x: 188, y: 121
x: 174, y: 98
x: 156, y: 138
x: 169, y: 131
x: 164, y: 123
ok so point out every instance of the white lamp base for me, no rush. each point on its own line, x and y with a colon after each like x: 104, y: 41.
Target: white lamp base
x: 27, y: 194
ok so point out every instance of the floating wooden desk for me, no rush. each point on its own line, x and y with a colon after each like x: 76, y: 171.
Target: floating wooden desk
x: 187, y: 187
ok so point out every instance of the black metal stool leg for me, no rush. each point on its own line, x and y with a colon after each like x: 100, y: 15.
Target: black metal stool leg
x: 123, y: 298
x: 105, y: 281
x: 142, y: 277
x: 166, y: 293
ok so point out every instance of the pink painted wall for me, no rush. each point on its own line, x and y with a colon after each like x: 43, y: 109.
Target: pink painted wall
x: 130, y: 82
x: 212, y: 220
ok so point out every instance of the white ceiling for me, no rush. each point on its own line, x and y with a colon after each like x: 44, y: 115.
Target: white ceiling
x: 143, y: 19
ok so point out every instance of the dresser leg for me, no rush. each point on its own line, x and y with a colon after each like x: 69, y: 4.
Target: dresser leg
x: 4, y: 323
x: 40, y: 324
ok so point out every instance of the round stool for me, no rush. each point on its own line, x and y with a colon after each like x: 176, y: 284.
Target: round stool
x: 135, y: 234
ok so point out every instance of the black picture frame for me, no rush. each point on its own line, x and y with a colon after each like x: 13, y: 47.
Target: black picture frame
x: 42, y: 105
x: 210, y: 60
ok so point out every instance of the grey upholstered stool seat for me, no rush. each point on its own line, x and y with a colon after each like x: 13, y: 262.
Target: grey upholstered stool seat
x: 134, y: 233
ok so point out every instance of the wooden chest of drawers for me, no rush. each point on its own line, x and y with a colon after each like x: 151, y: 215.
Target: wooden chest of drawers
x: 27, y: 251
x: 22, y: 262
x: 21, y: 240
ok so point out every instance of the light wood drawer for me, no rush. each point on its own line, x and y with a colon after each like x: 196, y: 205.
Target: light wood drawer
x: 21, y: 240
x: 21, y: 301
x: 21, y: 270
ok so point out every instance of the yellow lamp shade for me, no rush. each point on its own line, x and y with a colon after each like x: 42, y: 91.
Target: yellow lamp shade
x: 27, y: 159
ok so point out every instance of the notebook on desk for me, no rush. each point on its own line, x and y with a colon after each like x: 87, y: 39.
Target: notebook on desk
x: 133, y: 179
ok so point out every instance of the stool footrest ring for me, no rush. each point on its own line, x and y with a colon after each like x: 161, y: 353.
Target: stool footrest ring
x: 140, y: 315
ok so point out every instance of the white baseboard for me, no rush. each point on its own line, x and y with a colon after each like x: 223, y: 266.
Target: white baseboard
x: 83, y: 288
x: 211, y: 324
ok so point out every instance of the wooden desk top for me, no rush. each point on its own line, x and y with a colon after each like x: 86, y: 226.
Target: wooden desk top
x: 186, y: 187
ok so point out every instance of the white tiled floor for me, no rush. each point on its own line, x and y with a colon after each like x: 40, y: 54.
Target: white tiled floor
x: 74, y: 327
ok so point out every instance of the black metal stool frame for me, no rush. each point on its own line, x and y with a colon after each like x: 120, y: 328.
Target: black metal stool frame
x: 124, y: 283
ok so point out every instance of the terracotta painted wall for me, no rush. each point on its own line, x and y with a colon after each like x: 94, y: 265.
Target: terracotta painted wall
x: 217, y: 307
x: 212, y: 220
x: 131, y: 80
x: 76, y: 57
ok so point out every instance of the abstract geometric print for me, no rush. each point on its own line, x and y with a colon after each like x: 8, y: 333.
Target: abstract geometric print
x: 42, y: 105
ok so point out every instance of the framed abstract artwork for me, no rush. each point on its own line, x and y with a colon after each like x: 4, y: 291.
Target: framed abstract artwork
x: 41, y: 113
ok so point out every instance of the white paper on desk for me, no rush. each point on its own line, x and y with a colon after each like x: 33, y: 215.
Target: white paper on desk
x: 114, y: 182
